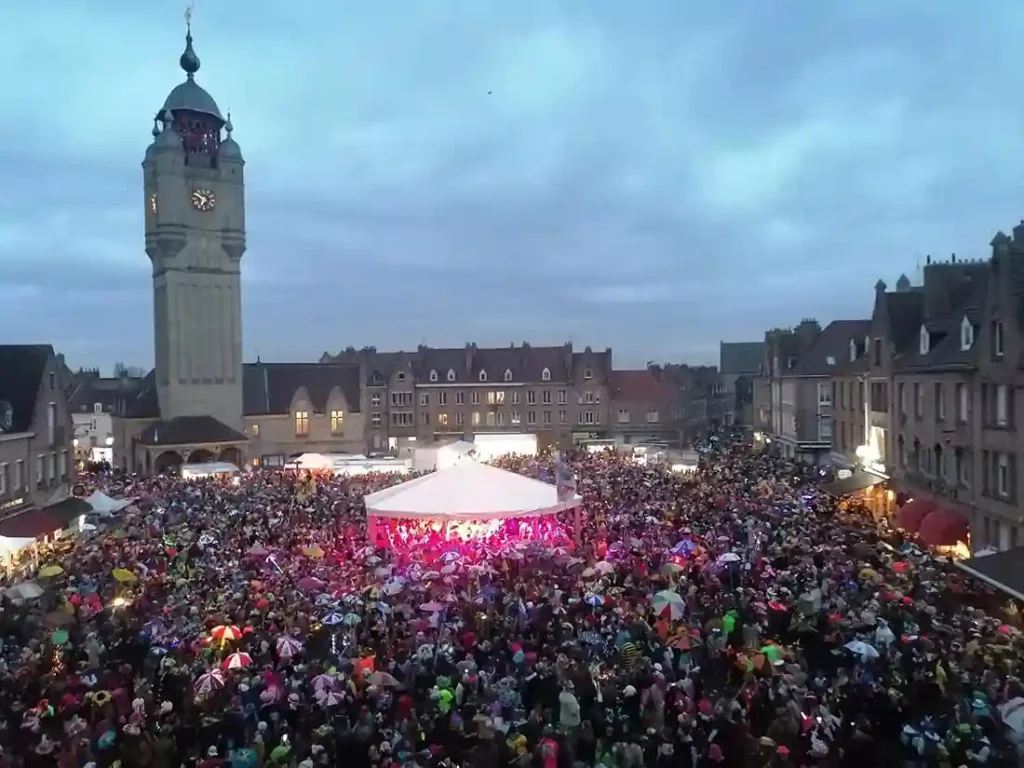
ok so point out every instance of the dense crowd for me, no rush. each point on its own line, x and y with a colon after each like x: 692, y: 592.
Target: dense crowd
x: 733, y: 617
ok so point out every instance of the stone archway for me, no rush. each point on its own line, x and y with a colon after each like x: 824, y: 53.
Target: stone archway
x: 231, y: 455
x: 167, y: 461
x: 201, y: 456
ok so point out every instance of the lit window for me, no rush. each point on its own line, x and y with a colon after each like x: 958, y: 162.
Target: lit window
x: 301, y: 423
x: 255, y: 429
x: 545, y: 375
x: 337, y: 422
x: 476, y: 418
x: 442, y: 419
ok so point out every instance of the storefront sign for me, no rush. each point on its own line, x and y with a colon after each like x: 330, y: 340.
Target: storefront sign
x: 12, y: 503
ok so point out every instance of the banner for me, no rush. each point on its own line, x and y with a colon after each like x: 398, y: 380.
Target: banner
x: 565, y: 479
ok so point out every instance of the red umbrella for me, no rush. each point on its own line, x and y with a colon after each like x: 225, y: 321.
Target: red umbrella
x: 237, y: 661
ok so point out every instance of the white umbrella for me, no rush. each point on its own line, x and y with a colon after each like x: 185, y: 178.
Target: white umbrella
x: 332, y: 699
x: 668, y: 600
x: 209, y: 682
x: 729, y: 557
x: 862, y: 649
x: 288, y: 647
x: 26, y: 590
x: 604, y: 567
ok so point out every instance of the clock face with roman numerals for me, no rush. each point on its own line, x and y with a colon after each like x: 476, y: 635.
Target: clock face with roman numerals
x: 203, y: 200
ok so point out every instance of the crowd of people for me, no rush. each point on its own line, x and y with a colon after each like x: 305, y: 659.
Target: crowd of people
x: 732, y: 617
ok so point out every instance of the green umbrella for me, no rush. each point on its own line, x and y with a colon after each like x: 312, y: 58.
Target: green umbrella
x: 59, y: 637
x: 280, y: 753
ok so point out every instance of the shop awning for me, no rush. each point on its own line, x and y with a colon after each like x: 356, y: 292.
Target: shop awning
x: 943, y: 527
x: 858, y: 481
x: 912, y: 513
x: 1001, y: 570
x: 45, y: 521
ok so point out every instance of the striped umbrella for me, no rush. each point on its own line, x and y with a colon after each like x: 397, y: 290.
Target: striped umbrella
x: 224, y: 633
x: 288, y: 647
x: 236, y: 660
x: 208, y: 682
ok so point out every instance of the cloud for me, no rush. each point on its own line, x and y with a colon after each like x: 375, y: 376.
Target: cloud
x: 536, y: 171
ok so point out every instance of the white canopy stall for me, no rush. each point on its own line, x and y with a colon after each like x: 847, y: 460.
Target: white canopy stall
x: 468, y: 491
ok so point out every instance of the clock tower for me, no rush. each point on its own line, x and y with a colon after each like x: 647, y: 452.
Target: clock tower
x: 194, y: 197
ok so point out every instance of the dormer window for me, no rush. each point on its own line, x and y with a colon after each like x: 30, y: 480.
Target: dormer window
x: 400, y: 376
x: 376, y: 378
x: 966, y: 334
x: 925, y: 341
x: 588, y: 373
x: 545, y: 375
x: 433, y: 375
x: 853, y: 350
x: 508, y: 375
x: 451, y: 375
x: 483, y: 375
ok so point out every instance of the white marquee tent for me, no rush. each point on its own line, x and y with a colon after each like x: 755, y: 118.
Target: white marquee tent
x: 468, y: 491
x: 105, y: 505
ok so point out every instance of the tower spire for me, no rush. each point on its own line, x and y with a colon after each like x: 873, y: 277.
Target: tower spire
x: 189, y: 61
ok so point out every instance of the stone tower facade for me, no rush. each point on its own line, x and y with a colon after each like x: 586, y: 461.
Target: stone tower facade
x: 194, y: 197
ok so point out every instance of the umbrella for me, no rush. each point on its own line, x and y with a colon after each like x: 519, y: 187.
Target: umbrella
x: 670, y: 602
x: 593, y: 599
x: 288, y: 647
x: 209, y: 681
x: 324, y: 682
x: 59, y: 637
x: 352, y: 619
x: 225, y: 633
x: 124, y: 575
x: 314, y: 552
x: 309, y: 582
x: 862, y: 649
x: 432, y: 607
x: 257, y: 550
x: 26, y: 590
x: 237, y: 661
x: 728, y: 557
x: 604, y: 567
x: 332, y: 699
x: 393, y: 587
x: 49, y: 571
x: 383, y: 679
x: 331, y: 619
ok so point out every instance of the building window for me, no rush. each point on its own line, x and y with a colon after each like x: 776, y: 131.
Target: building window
x: 375, y: 378
x: 460, y: 419
x: 490, y: 418
x: 375, y: 399
x: 400, y: 376
x: 652, y: 415
x: 924, y: 341
x: 918, y: 401
x: 496, y: 398
x: 514, y: 417
x: 460, y: 398
x: 375, y: 419
x: 53, y: 381
x: 425, y: 418
x: 545, y: 396
x: 563, y: 417
x: 562, y: 397
x: 547, y: 417
x: 337, y: 422
x: 97, y: 407
x: 508, y: 375
x: 623, y: 416
x: 301, y: 423
x: 476, y: 418
x: 531, y: 417
x: 254, y: 429
x: 3, y: 479
x: 425, y: 399
x: 531, y: 397
x: 483, y: 375
x: 545, y: 375
x: 1002, y: 405
x: 940, y: 403
x: 474, y: 397
x: 442, y: 419
x: 433, y: 375
x: 62, y: 466
x: 877, y: 350
x: 901, y: 391
x: 962, y: 403
x: 966, y: 334
x: 1003, y: 475
x: 588, y: 373
x: 997, y: 338
x: 451, y: 375
x: 19, y: 475
x: 442, y: 398
x: 402, y: 419
x: 51, y: 467
x: 515, y: 398
x: 40, y: 470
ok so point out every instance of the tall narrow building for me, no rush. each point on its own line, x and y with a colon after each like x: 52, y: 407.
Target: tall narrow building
x: 189, y: 408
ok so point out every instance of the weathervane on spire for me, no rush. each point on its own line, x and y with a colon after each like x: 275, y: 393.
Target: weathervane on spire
x: 188, y: 15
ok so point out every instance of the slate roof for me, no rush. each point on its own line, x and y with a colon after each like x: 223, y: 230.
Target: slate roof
x: 641, y: 386
x: 738, y: 357
x: 89, y: 390
x: 826, y: 354
x: 190, y: 429
x: 21, y: 376
x: 268, y: 388
x: 141, y: 400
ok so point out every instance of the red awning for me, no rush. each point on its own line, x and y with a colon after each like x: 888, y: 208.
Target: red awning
x: 944, y: 528
x: 31, y: 524
x: 912, y: 513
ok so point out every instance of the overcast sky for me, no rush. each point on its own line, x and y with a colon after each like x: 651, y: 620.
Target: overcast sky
x: 653, y: 176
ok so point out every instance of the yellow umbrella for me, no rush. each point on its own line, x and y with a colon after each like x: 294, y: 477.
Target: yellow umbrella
x: 123, y: 575
x: 50, y: 570
x: 315, y: 552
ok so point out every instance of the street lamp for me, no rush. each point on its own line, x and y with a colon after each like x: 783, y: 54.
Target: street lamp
x: 110, y: 441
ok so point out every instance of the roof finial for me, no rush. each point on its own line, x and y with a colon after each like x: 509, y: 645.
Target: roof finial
x: 189, y: 61
x: 228, y: 126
